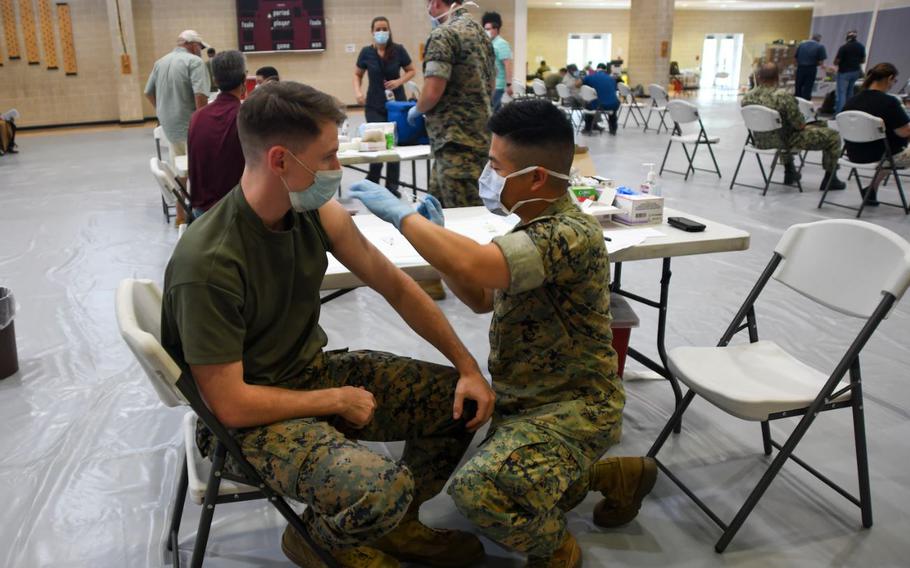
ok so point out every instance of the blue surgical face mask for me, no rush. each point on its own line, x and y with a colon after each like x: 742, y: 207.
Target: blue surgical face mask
x: 492, y: 185
x: 381, y: 37
x: 325, y: 184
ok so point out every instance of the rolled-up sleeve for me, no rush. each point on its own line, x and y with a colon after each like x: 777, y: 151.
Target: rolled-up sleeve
x: 440, y: 54
x: 526, y: 269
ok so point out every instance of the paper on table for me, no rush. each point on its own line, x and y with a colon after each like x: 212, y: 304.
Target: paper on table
x: 482, y: 229
x: 625, y: 238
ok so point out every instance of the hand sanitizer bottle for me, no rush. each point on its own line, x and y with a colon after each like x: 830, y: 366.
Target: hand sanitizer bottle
x: 651, y: 185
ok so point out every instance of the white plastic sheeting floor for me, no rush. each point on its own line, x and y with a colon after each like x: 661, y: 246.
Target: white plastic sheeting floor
x: 88, y: 455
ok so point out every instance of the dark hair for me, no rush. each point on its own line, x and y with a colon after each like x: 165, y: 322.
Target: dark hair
x: 562, y: 69
x: 390, y: 46
x: 537, y: 124
x: 210, y: 51
x: 879, y: 72
x: 229, y: 70
x: 602, y: 66
x: 287, y: 113
x: 768, y: 73
x: 491, y: 18
x: 267, y: 72
x: 571, y: 68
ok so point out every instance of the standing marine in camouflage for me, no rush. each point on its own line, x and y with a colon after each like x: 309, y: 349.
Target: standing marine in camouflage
x: 559, y: 397
x: 795, y: 134
x: 459, y: 72
x: 241, y: 313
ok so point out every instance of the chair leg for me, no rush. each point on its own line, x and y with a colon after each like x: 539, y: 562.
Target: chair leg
x: 177, y: 513
x: 826, y: 188
x: 770, y: 174
x: 667, y: 153
x: 859, y: 438
x: 691, y: 159
x: 863, y: 194
x: 648, y: 120
x: 738, y: 164
x: 167, y: 214
x: 713, y: 159
x: 766, y: 437
x: 662, y: 123
x: 671, y: 423
x: 628, y: 112
x: 208, y: 506
x: 900, y: 192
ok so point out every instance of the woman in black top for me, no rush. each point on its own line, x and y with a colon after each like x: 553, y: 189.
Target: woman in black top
x: 382, y: 61
x: 875, y: 100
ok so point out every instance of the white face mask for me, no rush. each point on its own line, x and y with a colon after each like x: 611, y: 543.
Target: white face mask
x: 436, y: 21
x: 492, y: 185
x: 325, y: 184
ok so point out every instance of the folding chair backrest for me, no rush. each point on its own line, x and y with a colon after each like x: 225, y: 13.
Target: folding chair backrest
x: 843, y: 264
x: 761, y: 119
x: 857, y: 126
x: 160, y: 139
x: 624, y: 91
x: 138, y: 306
x: 806, y: 109
x: 540, y: 88
x: 658, y: 94
x: 518, y: 88
x: 563, y: 91
x: 168, y: 170
x: 164, y: 183
x: 588, y: 93
x: 682, y: 112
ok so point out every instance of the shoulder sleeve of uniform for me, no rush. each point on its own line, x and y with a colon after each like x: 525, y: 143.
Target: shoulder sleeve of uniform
x: 403, y: 56
x: 526, y: 269
x: 362, y: 58
x: 209, y: 322
x: 442, y: 47
x: 789, y: 110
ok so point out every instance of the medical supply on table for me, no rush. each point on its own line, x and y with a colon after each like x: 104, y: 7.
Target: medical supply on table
x: 638, y: 208
x: 651, y: 185
x: 377, y: 136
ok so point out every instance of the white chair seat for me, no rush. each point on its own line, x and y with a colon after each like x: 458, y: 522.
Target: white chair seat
x: 693, y: 138
x: 749, y: 381
x: 198, y: 467
x: 860, y: 166
x: 765, y: 151
x: 636, y: 105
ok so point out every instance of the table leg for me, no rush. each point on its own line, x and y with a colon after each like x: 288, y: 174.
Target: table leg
x: 414, y: 179
x: 661, y: 368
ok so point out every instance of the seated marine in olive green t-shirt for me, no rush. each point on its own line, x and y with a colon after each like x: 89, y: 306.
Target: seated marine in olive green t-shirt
x: 241, y: 312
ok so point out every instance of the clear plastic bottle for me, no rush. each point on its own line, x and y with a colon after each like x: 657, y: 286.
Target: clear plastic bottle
x: 651, y: 184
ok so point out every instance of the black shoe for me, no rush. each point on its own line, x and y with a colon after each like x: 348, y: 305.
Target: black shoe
x: 871, y: 197
x: 394, y: 192
x: 587, y: 131
x: 836, y: 184
x: 791, y: 176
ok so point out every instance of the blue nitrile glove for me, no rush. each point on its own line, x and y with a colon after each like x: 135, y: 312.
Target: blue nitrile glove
x: 381, y: 202
x: 431, y: 208
x: 413, y: 115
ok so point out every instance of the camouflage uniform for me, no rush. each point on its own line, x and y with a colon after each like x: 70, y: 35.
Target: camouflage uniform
x: 461, y: 53
x: 793, y: 136
x: 559, y: 398
x: 355, y: 495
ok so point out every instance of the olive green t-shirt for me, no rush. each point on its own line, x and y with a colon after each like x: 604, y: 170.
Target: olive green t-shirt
x: 236, y: 290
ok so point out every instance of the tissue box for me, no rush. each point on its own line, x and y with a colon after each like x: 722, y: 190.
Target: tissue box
x: 639, y: 209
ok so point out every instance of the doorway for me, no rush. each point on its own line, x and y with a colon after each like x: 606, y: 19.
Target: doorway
x: 593, y: 48
x: 721, y: 59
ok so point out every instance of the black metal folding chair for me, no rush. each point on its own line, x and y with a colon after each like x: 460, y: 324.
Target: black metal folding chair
x: 659, y: 100
x: 138, y: 306
x: 762, y: 120
x: 855, y: 268
x: 683, y: 112
x: 859, y: 127
x: 631, y: 105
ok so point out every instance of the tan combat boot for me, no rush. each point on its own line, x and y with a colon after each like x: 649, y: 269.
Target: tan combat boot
x: 413, y: 541
x: 433, y: 288
x: 624, y: 482
x: 300, y: 553
x: 568, y: 555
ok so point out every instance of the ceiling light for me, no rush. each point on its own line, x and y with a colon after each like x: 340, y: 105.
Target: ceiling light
x: 559, y: 3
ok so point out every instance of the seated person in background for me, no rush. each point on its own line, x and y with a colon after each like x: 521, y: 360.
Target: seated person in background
x: 795, y: 135
x: 215, y: 157
x: 542, y: 69
x: 572, y: 80
x: 241, y: 313
x: 8, y: 132
x: 605, y: 85
x: 553, y: 79
x: 875, y: 100
x: 266, y: 75
x: 559, y: 397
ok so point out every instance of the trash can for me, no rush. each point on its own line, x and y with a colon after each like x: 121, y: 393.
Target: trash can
x: 9, y: 360
x: 407, y: 135
x: 624, y: 319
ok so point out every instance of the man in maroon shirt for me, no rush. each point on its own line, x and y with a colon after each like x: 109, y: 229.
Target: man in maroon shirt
x: 215, y: 157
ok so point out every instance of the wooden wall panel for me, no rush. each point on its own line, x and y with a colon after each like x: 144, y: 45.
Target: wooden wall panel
x: 47, y: 33
x: 65, y: 21
x: 9, y: 28
x: 29, y: 32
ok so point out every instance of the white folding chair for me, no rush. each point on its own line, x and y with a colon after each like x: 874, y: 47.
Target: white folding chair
x: 589, y: 95
x: 138, y: 307
x: 659, y: 100
x: 160, y: 138
x: 169, y: 195
x: 860, y: 127
x: 810, y: 114
x: 762, y: 120
x: 178, y: 189
x: 855, y: 268
x: 684, y: 112
x: 539, y: 88
x: 567, y: 103
x: 632, y: 106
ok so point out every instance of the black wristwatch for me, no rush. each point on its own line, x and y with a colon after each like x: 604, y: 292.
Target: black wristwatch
x: 508, y: 84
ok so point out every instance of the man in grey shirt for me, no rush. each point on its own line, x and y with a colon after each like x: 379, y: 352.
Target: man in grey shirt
x: 178, y: 85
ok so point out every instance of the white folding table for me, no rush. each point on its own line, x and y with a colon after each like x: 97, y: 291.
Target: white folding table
x: 664, y: 242
x: 354, y: 159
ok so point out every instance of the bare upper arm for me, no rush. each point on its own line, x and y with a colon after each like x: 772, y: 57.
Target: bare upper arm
x: 359, y: 72
x: 220, y: 387
x: 903, y: 131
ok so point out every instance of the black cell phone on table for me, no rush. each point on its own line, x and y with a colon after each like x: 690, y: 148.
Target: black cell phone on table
x: 684, y: 224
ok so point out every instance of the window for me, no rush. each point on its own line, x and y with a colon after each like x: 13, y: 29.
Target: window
x: 594, y: 48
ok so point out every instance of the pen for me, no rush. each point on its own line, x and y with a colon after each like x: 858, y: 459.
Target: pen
x: 608, y: 239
